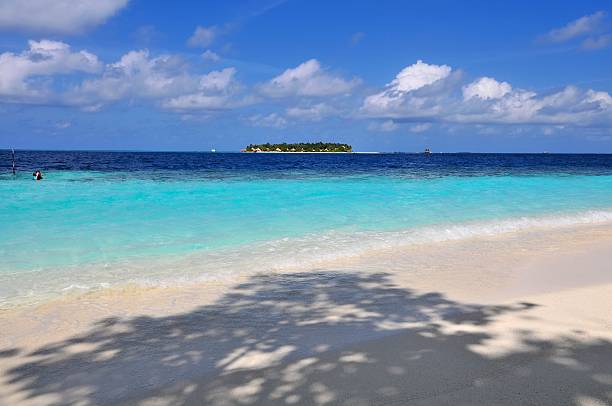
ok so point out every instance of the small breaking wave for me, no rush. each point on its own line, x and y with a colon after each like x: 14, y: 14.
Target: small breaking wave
x: 313, y: 250
x: 303, y: 253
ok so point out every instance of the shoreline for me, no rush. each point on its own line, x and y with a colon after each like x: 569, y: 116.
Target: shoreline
x: 209, y: 340
x: 230, y: 264
x: 524, y: 244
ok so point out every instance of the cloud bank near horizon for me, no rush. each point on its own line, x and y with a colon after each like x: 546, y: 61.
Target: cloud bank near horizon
x: 419, y: 93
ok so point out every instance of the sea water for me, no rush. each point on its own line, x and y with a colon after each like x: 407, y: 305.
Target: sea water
x: 106, y: 218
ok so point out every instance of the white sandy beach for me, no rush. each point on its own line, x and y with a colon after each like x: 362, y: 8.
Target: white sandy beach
x: 523, y: 318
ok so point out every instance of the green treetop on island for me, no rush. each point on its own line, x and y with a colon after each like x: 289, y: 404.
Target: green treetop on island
x: 300, y: 147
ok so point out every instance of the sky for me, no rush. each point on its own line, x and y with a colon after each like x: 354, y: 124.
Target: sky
x: 478, y: 76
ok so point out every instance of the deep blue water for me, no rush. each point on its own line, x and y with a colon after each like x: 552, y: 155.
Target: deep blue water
x: 216, y: 165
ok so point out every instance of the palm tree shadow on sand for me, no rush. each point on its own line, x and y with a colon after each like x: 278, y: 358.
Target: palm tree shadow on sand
x: 277, y: 340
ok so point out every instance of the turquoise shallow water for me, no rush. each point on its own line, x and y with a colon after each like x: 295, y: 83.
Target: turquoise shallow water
x: 106, y: 221
x: 78, y: 218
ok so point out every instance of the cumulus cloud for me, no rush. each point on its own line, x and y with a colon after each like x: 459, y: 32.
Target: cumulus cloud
x: 599, y: 42
x: 24, y: 76
x: 316, y: 112
x: 419, y: 75
x: 583, y: 26
x: 203, y: 36
x: 601, y: 99
x: 416, y: 79
x: 198, y: 101
x: 136, y: 75
x: 51, y: 72
x: 165, y: 80
x: 486, y: 88
x: 272, y: 120
x: 384, y: 126
x: 210, y: 56
x: 570, y: 105
x: 307, y: 79
x: 419, y: 128
x: 483, y: 101
x: 217, y: 90
x: 56, y: 16
x: 218, y: 80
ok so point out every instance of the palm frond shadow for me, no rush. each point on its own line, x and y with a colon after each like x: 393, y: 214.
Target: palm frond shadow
x: 275, y: 340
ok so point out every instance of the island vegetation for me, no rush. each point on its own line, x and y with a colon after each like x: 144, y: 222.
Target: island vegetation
x: 299, y: 147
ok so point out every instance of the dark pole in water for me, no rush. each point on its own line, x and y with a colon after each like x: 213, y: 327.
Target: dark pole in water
x: 13, y: 152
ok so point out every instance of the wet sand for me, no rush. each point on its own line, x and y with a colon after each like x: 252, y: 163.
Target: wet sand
x: 522, y: 318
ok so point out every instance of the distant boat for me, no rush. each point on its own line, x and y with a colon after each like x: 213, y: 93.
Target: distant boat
x: 213, y: 150
x: 427, y: 151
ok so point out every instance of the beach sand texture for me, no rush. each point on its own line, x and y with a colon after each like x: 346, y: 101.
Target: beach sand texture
x: 523, y: 318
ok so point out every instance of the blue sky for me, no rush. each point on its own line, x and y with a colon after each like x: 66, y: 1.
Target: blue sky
x: 381, y: 75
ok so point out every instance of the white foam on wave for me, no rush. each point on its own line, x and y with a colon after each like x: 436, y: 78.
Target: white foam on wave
x: 302, y: 253
x: 313, y: 250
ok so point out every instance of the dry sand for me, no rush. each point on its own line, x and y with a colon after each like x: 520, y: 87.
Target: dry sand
x: 517, y: 319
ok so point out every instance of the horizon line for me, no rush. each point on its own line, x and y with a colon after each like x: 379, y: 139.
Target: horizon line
x: 353, y: 152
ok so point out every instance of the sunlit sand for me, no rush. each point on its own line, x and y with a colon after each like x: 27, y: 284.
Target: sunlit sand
x: 524, y: 318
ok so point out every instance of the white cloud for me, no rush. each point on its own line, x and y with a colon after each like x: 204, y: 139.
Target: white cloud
x: 390, y: 125
x: 486, y: 88
x: 418, y: 75
x: 210, y: 56
x: 413, y: 78
x: 419, y: 128
x: 50, y: 72
x: 92, y: 108
x: 22, y: 76
x: 486, y: 101
x: 570, y: 105
x: 217, y: 90
x: 135, y: 76
x: 166, y: 80
x: 516, y: 107
x: 384, y: 126
x: 272, y: 120
x: 307, y: 79
x: 602, y: 99
x: 315, y: 112
x: 577, y: 28
x: 163, y: 79
x: 599, y: 42
x: 219, y: 80
x: 56, y: 16
x: 198, y: 101
x: 203, y: 36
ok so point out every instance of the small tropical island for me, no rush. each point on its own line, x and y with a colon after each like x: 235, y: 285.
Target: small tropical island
x: 299, y: 147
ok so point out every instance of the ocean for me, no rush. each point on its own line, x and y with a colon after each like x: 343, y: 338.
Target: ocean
x: 102, y: 219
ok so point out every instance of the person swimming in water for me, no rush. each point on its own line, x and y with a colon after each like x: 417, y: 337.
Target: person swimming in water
x: 37, y: 175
